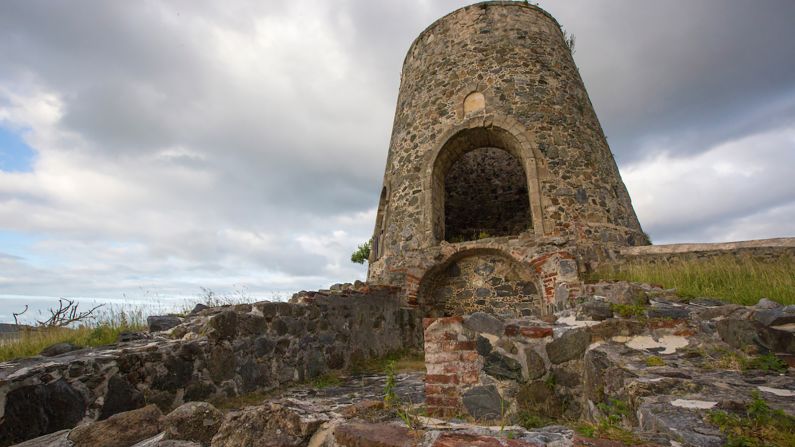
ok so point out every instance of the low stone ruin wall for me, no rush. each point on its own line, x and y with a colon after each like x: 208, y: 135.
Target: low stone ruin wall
x: 635, y: 353
x: 770, y: 250
x: 216, y: 353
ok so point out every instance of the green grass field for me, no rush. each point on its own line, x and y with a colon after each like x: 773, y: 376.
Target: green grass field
x: 740, y: 280
x: 104, y: 330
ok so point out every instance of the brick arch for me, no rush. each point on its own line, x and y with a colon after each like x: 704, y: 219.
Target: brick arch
x: 480, y: 279
x: 478, y: 132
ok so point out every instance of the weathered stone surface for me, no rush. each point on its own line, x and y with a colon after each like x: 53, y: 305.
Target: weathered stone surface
x: 765, y: 303
x: 680, y: 423
x: 159, y: 441
x: 775, y: 317
x: 57, y: 439
x: 569, y: 346
x: 374, y: 435
x: 484, y: 323
x: 194, y: 421
x: 536, y: 368
x: 595, y: 310
x: 275, y: 424
x: 502, y: 367
x: 120, y: 430
x: 474, y: 440
x: 35, y: 410
x: 619, y: 292
x: 159, y: 323
x: 672, y: 312
x: 198, y: 308
x: 223, y: 326
x: 120, y: 397
x: 58, y: 349
x: 483, y: 402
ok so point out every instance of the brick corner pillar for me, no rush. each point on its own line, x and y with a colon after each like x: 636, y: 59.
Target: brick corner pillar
x: 452, y: 363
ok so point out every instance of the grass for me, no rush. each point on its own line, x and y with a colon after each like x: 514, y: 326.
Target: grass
x: 331, y: 378
x: 736, y: 279
x: 402, y: 360
x: 738, y: 361
x: 104, y: 330
x: 609, y: 426
x: 759, y: 426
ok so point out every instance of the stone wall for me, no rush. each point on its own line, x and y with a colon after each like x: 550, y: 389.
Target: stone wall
x: 486, y: 283
x: 218, y: 352
x: 770, y: 250
x: 642, y: 369
x: 496, y: 75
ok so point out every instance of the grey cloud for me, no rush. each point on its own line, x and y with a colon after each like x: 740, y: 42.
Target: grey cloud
x: 292, y: 142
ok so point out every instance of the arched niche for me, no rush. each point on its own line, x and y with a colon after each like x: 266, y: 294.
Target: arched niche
x: 480, y: 280
x: 483, y: 184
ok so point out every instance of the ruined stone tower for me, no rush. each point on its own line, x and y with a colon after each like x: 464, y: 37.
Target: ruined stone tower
x: 500, y: 188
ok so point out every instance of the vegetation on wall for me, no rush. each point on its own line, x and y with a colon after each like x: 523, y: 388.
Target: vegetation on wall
x: 361, y: 254
x: 737, y: 279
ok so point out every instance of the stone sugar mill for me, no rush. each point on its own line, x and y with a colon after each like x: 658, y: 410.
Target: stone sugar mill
x: 497, y: 161
x: 480, y: 323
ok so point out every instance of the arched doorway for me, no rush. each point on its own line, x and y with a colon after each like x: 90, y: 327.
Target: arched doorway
x: 480, y: 187
x: 480, y: 280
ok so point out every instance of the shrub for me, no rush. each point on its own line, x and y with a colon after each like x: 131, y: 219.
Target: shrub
x: 361, y: 254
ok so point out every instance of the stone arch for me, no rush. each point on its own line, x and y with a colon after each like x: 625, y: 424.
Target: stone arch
x: 477, y: 133
x: 481, y: 279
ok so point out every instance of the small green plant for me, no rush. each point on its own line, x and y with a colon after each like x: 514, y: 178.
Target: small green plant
x: 531, y: 420
x: 326, y: 380
x: 362, y: 253
x: 614, y: 411
x: 766, y: 362
x: 390, y: 397
x: 585, y: 429
x: 483, y: 235
x: 760, y: 426
x: 609, y: 426
x: 629, y: 310
x: 654, y: 360
x: 550, y: 381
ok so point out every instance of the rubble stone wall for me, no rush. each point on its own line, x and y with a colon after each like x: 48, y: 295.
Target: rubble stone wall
x: 219, y: 352
x: 496, y: 75
x: 771, y: 250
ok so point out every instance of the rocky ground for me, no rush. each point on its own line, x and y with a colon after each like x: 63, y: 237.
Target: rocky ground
x: 630, y: 365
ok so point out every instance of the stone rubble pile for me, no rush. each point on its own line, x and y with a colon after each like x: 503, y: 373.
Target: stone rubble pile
x: 668, y: 362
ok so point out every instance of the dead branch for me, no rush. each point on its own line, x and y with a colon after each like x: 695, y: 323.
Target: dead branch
x: 67, y: 313
x: 19, y: 314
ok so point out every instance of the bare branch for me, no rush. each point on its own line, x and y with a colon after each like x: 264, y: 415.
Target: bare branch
x: 19, y: 314
x: 67, y: 313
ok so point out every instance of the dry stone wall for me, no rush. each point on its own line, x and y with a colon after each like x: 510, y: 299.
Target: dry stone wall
x: 219, y: 352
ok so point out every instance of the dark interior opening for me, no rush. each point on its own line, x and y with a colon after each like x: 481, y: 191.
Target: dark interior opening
x: 485, y: 195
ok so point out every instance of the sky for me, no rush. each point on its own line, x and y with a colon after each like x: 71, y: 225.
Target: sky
x: 152, y: 148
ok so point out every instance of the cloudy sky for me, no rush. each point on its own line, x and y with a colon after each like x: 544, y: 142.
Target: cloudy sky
x: 151, y: 148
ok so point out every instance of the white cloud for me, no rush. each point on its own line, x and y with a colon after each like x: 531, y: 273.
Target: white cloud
x: 189, y: 144
x: 680, y: 197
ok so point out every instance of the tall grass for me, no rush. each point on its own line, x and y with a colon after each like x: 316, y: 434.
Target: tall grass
x: 736, y: 279
x: 104, y: 329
